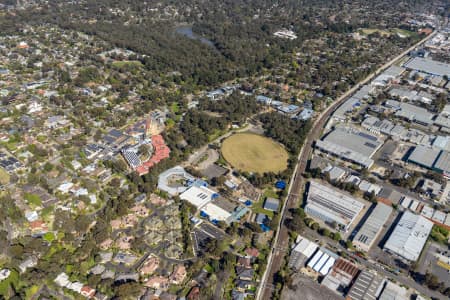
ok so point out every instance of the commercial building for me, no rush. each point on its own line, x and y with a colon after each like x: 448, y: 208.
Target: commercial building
x: 332, y: 206
x: 199, y: 196
x: 347, y: 107
x: 322, y: 261
x: 428, y: 66
x: 341, y: 276
x: 372, y: 227
x: 302, y: 251
x: 431, y: 158
x: 367, y: 286
x: 424, y: 156
x: 442, y: 164
x: 350, y: 144
x: 409, y: 236
x: 175, y: 181
x: 392, y: 291
x: 414, y: 113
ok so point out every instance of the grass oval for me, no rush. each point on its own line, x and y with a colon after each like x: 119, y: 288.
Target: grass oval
x: 254, y: 153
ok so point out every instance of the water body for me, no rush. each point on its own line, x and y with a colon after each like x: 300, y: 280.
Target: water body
x: 186, y: 30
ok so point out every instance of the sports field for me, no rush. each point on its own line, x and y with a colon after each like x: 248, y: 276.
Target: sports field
x: 254, y: 153
x: 4, y: 177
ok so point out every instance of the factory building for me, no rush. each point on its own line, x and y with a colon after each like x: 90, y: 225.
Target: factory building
x: 371, y: 228
x: 409, y: 236
x: 351, y: 145
x: 332, y: 206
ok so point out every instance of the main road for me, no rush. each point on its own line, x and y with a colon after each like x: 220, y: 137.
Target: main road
x: 281, y: 240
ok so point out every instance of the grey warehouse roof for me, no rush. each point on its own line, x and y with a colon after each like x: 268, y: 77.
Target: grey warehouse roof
x: 428, y: 66
x: 424, y: 156
x: 367, y: 286
x: 357, y: 141
x: 372, y: 226
x: 443, y: 162
x: 271, y: 204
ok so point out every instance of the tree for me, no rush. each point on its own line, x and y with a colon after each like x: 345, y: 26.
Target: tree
x: 371, y: 197
x: 218, y: 181
x: 325, y: 232
x: 432, y: 281
x: 98, y: 135
x: 82, y: 223
x: 294, y: 224
x: 127, y: 290
x: 48, y: 167
x: 349, y: 245
x: 337, y: 236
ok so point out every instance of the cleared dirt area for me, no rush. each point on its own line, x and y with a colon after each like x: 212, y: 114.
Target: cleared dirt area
x: 254, y: 153
x: 304, y: 288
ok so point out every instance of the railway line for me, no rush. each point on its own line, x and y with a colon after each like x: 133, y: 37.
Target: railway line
x: 276, y: 257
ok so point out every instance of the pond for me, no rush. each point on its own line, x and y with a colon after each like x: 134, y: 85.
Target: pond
x: 186, y: 30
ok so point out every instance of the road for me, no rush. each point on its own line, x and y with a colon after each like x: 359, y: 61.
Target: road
x: 378, y: 266
x: 281, y: 240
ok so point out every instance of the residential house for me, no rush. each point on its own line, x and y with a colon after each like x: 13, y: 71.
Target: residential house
x: 178, y: 274
x: 157, y: 282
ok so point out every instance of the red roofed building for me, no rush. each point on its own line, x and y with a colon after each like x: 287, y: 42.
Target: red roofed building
x: 38, y: 225
x: 194, y: 294
x: 178, y: 274
x: 253, y: 252
x: 87, y: 291
x: 161, y: 151
x: 426, y: 31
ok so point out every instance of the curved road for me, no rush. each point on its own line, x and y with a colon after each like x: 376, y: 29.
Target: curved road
x: 281, y: 241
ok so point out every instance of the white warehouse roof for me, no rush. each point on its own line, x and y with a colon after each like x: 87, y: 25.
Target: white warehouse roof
x: 321, y: 262
x: 330, y: 205
x: 305, y: 247
x: 215, y: 212
x: 409, y: 236
x: 198, y: 195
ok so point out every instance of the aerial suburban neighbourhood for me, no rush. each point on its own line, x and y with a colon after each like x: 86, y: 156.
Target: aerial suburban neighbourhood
x: 225, y: 150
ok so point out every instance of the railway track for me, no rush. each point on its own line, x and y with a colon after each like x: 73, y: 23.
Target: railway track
x: 276, y: 258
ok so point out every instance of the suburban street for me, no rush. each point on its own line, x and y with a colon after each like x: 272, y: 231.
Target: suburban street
x: 281, y: 240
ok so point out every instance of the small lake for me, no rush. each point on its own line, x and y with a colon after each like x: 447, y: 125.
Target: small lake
x: 186, y: 30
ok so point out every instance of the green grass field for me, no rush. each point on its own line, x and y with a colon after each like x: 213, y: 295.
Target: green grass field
x: 4, y: 177
x: 254, y: 153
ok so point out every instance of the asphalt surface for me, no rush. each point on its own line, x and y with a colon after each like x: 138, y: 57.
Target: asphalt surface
x: 281, y: 241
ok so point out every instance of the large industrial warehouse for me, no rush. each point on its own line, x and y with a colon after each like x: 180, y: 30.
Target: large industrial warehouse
x: 351, y: 145
x: 371, y: 228
x: 331, y: 205
x: 409, y: 236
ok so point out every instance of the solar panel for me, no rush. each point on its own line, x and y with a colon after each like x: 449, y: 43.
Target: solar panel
x: 367, y: 136
x: 370, y: 145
